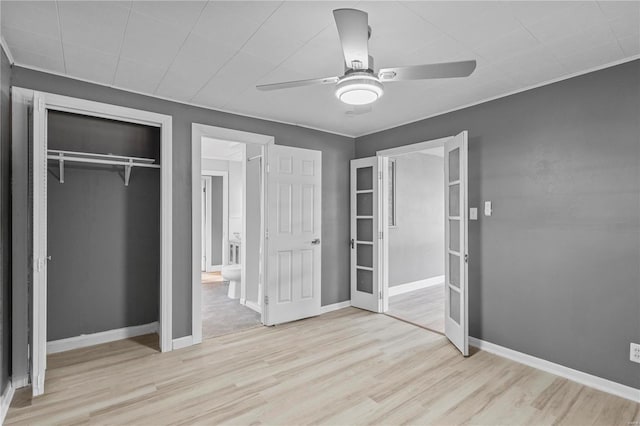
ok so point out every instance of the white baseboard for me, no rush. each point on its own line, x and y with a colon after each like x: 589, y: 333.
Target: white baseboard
x: 253, y: 306
x: 182, y: 342
x: 19, y: 382
x: 85, y: 340
x: 335, y: 307
x: 7, y: 396
x: 415, y: 285
x: 586, y: 379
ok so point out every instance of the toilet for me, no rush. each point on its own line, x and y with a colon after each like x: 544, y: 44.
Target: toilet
x: 233, y: 274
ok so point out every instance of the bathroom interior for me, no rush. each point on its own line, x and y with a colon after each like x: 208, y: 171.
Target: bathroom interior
x: 231, y: 229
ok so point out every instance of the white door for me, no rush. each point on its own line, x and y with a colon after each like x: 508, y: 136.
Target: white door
x: 365, y: 235
x: 203, y: 224
x: 40, y: 258
x: 456, y: 324
x: 294, y: 227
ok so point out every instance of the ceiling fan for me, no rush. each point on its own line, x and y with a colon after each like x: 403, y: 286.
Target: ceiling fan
x: 360, y: 84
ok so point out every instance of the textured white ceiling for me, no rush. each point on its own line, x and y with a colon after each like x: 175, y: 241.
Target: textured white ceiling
x: 214, y: 53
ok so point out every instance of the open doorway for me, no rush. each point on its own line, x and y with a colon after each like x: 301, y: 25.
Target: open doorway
x: 416, y: 227
x: 230, y: 233
x: 375, y: 215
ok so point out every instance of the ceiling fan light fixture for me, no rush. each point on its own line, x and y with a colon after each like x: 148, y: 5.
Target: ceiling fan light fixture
x: 359, y: 89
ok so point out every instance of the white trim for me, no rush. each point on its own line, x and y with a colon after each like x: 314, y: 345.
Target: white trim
x: 415, y: 285
x: 5, y: 47
x: 585, y: 379
x: 85, y: 340
x: 182, y: 342
x: 7, y: 397
x: 334, y: 307
x: 193, y: 104
x: 21, y: 99
x: 504, y: 95
x: 253, y: 306
x: 197, y: 132
x: 413, y: 148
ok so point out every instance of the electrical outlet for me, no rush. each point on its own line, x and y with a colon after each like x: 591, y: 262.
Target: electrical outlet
x: 634, y: 352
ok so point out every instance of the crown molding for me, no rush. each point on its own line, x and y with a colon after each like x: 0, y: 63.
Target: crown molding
x: 5, y: 47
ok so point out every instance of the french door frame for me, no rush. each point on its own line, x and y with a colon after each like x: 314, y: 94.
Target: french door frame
x: 383, y: 224
x: 384, y: 156
x: 28, y: 103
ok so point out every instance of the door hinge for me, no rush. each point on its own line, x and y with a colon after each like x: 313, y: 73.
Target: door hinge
x: 39, y: 264
x: 266, y: 234
x: 466, y: 258
x: 266, y: 300
x: 380, y: 235
x: 380, y: 295
x: 379, y: 175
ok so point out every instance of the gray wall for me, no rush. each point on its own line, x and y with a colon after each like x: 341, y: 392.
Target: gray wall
x: 103, y: 236
x: 416, y: 244
x: 216, y: 209
x: 337, y: 151
x: 554, y: 272
x: 5, y: 219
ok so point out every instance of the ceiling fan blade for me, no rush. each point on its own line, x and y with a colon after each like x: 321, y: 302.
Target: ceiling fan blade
x: 353, y: 29
x: 297, y: 83
x: 428, y: 71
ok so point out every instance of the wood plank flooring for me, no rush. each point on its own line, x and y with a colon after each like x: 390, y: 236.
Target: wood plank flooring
x: 345, y: 367
x: 424, y: 307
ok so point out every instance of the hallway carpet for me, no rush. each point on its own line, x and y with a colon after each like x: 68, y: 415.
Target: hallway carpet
x: 220, y: 314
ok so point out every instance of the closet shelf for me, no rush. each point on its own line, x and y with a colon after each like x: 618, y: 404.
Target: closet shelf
x: 88, y: 157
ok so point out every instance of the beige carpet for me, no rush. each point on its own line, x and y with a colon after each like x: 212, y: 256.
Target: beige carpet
x: 220, y: 314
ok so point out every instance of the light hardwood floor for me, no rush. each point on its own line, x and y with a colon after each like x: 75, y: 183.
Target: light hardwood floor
x: 345, y: 367
x: 424, y: 307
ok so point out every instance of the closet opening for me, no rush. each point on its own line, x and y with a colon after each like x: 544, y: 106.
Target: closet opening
x: 92, y: 196
x: 103, y: 231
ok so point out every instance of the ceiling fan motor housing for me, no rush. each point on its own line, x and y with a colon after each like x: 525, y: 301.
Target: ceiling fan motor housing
x: 359, y: 87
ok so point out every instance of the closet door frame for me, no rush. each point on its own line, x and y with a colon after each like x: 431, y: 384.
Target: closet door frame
x: 48, y: 101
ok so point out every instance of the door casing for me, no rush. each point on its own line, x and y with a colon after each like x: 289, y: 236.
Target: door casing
x: 22, y: 100
x: 198, y: 131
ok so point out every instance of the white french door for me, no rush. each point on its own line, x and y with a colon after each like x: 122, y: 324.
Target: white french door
x: 39, y: 244
x: 456, y: 323
x: 294, y: 228
x: 365, y: 235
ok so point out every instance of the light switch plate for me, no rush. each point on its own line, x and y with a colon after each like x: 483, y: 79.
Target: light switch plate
x: 473, y: 213
x: 634, y: 352
x: 487, y: 208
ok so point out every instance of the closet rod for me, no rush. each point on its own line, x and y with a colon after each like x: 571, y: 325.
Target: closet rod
x: 108, y: 159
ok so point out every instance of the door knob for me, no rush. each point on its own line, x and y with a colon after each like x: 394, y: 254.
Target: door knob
x: 316, y: 241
